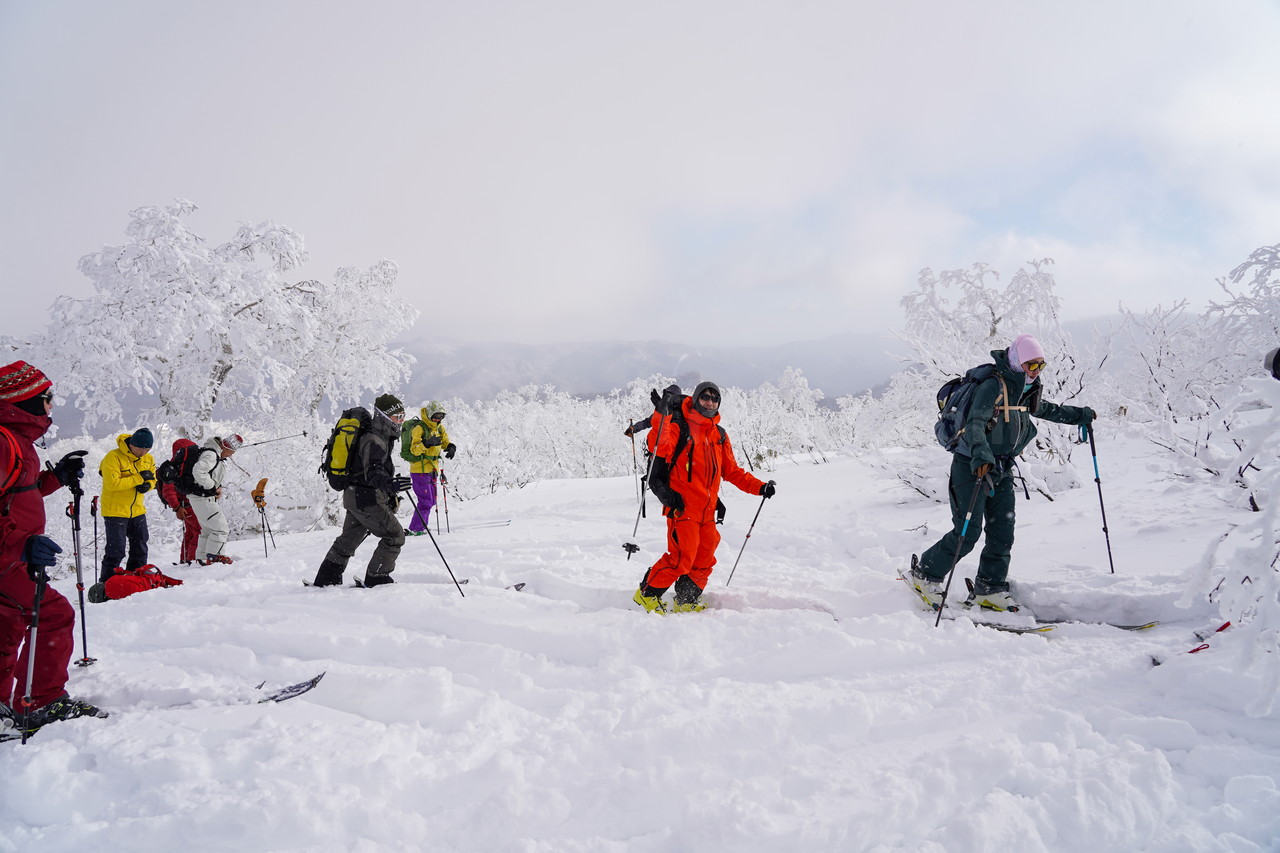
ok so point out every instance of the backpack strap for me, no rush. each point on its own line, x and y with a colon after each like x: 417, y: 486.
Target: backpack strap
x: 1004, y: 395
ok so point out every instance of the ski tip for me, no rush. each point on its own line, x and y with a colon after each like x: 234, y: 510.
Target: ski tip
x: 517, y: 586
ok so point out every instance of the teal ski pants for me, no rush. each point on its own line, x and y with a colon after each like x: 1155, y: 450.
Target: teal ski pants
x: 993, y: 511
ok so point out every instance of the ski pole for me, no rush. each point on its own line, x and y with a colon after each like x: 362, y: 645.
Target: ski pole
x: 281, y: 438
x: 631, y: 547
x: 73, y: 513
x: 93, y: 510
x: 1097, y: 478
x: 260, y: 501
x: 635, y: 465
x: 41, y: 582
x: 985, y: 479
x: 744, y: 541
x: 444, y: 501
x: 435, y: 489
x: 427, y: 528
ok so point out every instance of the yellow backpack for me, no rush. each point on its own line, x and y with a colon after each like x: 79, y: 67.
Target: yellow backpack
x: 342, y: 441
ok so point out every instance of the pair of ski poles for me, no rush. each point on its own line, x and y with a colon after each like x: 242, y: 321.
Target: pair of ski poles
x: 42, y: 583
x: 631, y: 547
x: 1086, y: 434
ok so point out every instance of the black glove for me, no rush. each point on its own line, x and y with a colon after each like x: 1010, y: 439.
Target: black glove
x: 402, y: 483
x: 769, y: 489
x: 677, y: 503
x: 721, y: 509
x: 148, y: 476
x: 431, y: 441
x: 670, y: 400
x: 70, y: 467
x: 449, y: 450
x: 39, y: 553
x: 1087, y: 416
x: 657, y: 402
x: 143, y: 488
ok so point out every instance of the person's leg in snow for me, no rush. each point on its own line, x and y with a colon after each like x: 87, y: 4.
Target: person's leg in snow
x: 424, y: 490
x: 940, y: 556
x: 136, y: 532
x: 113, y: 551
x: 690, y: 543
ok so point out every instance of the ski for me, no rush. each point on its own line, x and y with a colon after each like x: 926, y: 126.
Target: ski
x: 477, y: 524
x: 1123, y: 627
x: 952, y: 615
x: 1136, y: 627
x: 280, y: 694
x: 1042, y: 625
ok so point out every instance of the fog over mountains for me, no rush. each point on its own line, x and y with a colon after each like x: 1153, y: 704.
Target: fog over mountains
x: 838, y: 365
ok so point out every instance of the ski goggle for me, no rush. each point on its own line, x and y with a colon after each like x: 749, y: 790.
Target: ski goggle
x: 438, y: 417
x: 1034, y: 364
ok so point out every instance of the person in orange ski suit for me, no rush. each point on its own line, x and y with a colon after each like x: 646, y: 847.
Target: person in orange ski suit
x: 689, y: 464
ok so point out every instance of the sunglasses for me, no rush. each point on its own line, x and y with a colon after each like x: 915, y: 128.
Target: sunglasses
x: 47, y: 396
x: 709, y: 396
x: 1034, y: 364
x: 437, y: 418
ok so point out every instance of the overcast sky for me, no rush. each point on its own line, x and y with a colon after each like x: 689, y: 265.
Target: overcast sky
x: 719, y: 172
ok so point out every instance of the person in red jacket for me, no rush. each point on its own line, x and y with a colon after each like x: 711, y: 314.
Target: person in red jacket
x: 689, y: 463
x: 176, y: 500
x: 26, y: 399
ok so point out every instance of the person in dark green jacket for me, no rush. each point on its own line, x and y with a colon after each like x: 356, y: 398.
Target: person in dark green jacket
x: 998, y: 428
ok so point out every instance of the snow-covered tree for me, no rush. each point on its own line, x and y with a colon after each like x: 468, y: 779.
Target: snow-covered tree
x: 948, y: 335
x: 1240, y: 572
x: 1193, y: 366
x: 202, y: 327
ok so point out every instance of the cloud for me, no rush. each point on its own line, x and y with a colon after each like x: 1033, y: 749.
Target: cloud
x: 575, y: 170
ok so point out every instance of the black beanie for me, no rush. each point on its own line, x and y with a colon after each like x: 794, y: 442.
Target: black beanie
x: 389, y: 405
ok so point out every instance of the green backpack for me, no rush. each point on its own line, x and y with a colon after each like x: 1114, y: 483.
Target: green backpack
x: 406, y: 441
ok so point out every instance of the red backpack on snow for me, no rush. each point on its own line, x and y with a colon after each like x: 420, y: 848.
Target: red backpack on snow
x: 126, y: 582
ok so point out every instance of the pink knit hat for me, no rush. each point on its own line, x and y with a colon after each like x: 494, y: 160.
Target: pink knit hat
x: 1024, y: 348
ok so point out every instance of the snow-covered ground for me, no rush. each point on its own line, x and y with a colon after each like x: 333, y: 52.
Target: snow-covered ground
x: 815, y: 707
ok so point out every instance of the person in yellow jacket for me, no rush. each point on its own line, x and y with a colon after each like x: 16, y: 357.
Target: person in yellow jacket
x: 128, y: 473
x: 422, y: 440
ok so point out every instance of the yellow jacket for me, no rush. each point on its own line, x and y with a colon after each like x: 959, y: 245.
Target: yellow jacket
x: 121, y: 473
x: 417, y: 435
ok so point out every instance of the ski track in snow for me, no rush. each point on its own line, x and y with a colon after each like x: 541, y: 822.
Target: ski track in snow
x: 814, y: 706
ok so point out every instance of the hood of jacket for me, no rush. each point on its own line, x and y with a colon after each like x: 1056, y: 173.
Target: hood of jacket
x: 22, y: 423
x: 1016, y: 378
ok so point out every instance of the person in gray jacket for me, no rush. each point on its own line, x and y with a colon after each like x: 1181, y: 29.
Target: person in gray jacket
x: 207, y: 473
x: 370, y: 500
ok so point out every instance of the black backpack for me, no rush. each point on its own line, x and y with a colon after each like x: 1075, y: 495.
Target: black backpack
x: 177, y: 471
x: 955, y: 398
x: 338, y: 452
x: 660, y: 476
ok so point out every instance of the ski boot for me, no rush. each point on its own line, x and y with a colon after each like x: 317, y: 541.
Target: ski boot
x: 688, y: 596
x: 926, y: 587
x: 991, y: 596
x: 62, y: 708
x: 650, y: 599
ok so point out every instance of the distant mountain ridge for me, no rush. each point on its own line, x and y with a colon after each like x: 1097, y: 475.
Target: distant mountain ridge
x: 838, y: 365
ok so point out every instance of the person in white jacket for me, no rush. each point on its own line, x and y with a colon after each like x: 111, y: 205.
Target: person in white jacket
x: 207, y: 474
